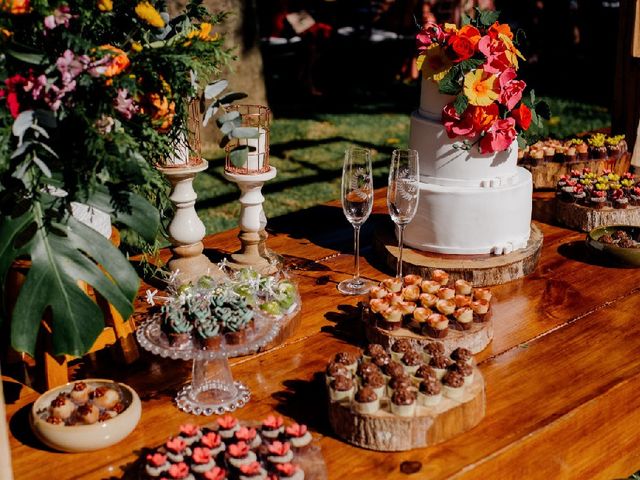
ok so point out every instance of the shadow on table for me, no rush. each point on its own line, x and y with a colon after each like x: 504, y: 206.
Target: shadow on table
x: 21, y: 429
x: 580, y: 252
x: 347, y: 324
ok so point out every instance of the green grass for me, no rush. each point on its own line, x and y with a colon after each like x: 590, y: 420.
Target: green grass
x: 308, y: 154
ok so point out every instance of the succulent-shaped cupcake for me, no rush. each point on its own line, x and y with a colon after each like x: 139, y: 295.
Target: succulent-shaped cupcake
x: 175, y: 324
x: 232, y: 312
x: 286, y: 294
x: 634, y: 196
x: 597, y: 146
x: 208, y: 331
x: 618, y: 198
x: 598, y: 197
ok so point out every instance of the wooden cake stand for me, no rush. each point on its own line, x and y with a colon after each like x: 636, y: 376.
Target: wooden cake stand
x: 480, y: 270
x: 386, y: 432
x: 585, y: 219
x: 476, y: 339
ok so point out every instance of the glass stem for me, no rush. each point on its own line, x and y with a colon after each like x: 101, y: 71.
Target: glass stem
x: 356, y: 252
x: 400, y: 245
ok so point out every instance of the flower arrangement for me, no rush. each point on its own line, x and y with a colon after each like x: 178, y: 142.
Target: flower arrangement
x: 93, y: 94
x: 478, y: 63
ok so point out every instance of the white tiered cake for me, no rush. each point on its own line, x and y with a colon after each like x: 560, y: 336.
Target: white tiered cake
x: 470, y: 203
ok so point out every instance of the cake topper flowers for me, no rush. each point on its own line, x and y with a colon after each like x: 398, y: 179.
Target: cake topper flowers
x: 478, y: 64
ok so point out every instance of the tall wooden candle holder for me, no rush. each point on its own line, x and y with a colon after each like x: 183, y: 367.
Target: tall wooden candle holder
x: 250, y: 177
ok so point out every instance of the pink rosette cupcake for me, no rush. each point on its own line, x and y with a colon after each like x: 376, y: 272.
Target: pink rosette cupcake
x: 279, y: 452
x: 213, y: 442
x: 298, y: 436
x: 227, y: 426
x: 179, y: 471
x: 272, y: 427
x: 252, y: 471
x: 176, y: 450
x: 155, y: 465
x: 249, y: 436
x: 379, y: 305
x: 239, y: 454
x: 216, y: 473
x: 348, y: 359
x: 289, y: 471
x: 202, y: 460
x: 190, y: 433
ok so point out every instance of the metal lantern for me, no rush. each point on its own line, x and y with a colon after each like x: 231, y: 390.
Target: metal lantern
x: 255, y: 116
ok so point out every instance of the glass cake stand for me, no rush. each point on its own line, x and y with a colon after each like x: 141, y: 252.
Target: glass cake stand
x: 212, y: 389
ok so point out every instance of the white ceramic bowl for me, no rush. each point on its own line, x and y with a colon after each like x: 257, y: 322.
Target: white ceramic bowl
x: 85, y: 438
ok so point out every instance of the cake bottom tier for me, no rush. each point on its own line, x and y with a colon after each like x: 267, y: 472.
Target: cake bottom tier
x: 472, y: 220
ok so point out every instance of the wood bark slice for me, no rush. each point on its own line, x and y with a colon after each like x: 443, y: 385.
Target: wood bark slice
x: 476, y: 339
x: 585, y: 219
x: 480, y: 270
x: 546, y: 176
x: 386, y: 432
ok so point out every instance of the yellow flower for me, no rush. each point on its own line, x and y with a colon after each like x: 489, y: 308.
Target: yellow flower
x: 149, y: 14
x: 450, y: 28
x: 434, y: 62
x: 481, y: 88
x: 105, y: 5
x: 511, y: 52
x: 136, y: 47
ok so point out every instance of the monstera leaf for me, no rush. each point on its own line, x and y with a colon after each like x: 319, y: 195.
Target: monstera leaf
x: 62, y: 253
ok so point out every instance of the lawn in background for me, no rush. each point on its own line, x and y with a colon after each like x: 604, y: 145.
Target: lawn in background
x: 308, y: 154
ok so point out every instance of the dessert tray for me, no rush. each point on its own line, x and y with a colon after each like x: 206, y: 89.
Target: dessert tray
x: 586, y: 200
x: 231, y: 449
x: 421, y: 311
x: 212, y: 388
x: 378, y: 401
x: 85, y: 415
x: 620, y: 243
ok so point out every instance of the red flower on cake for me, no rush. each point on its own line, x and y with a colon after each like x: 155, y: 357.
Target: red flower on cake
x: 176, y: 444
x: 510, y: 88
x: 227, y: 422
x: 482, y: 117
x: 272, y: 422
x: 239, y: 450
x: 499, y: 137
x: 179, y: 470
x: 456, y: 125
x: 500, y: 28
x: 287, y: 469
x: 496, y: 53
x: 201, y: 455
x: 211, y: 440
x: 296, y: 430
x: 279, y: 448
x: 246, y: 434
x: 216, y: 473
x: 463, y: 44
x: 157, y: 459
x: 189, y: 429
x: 252, y: 468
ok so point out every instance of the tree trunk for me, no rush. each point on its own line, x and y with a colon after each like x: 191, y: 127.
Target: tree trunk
x: 246, y: 73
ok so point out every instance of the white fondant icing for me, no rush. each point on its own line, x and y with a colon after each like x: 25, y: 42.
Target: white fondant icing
x: 441, y: 163
x: 472, y: 220
x: 432, y: 101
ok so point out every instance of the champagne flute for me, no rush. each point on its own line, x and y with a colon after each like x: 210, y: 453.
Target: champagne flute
x: 402, y: 194
x: 357, y: 202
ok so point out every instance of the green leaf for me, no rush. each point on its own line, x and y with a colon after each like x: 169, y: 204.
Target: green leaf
x: 486, y: 18
x: 466, y: 19
x: 141, y: 216
x: 450, y: 84
x: 239, y: 156
x: 469, y: 64
x: 214, y: 89
x: 245, y: 132
x: 62, y: 254
x: 522, y: 143
x: 32, y: 58
x: 226, y: 128
x: 22, y: 123
x: 461, y: 103
x: 542, y: 109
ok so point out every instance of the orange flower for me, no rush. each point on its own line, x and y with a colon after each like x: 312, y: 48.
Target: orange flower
x: 483, y: 117
x: 500, y: 28
x: 162, y: 112
x: 16, y: 7
x: 118, y: 61
x: 471, y: 33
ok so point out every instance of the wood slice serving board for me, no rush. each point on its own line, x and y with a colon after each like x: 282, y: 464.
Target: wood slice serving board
x: 546, y: 175
x: 476, y: 339
x: 386, y: 432
x: 585, y: 219
x: 480, y: 270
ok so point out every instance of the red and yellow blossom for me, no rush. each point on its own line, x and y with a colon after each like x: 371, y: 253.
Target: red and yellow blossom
x: 15, y: 7
x: 481, y: 88
x: 147, y: 12
x: 434, y: 62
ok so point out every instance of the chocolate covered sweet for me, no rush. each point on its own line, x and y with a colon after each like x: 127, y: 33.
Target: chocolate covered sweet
x: 393, y: 369
x: 400, y: 382
x: 381, y: 360
x: 366, y: 395
x: 411, y: 361
x: 348, y: 359
x: 403, y: 402
x: 465, y: 369
x: 439, y: 363
x: 366, y: 368
x: 341, y: 388
x: 399, y: 348
x: 461, y: 354
x: 453, y: 384
x: 425, y: 372
x: 374, y: 349
x: 373, y: 380
x: 334, y: 369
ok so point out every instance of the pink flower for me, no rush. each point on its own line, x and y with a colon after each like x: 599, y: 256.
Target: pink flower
x: 246, y: 434
x: 456, y: 125
x: 60, y: 16
x: 201, y: 455
x: 211, y: 440
x: 71, y: 65
x: 239, y: 450
x: 272, y: 422
x: 499, y: 136
x: 157, y: 459
x: 37, y: 86
x: 179, y: 470
x: 252, y: 468
x: 429, y: 34
x: 279, y: 448
x: 296, y: 430
x: 124, y: 104
x: 216, y: 473
x: 227, y: 422
x: 189, y: 429
x: 511, y: 89
x: 176, y: 444
x: 287, y: 469
x: 496, y: 53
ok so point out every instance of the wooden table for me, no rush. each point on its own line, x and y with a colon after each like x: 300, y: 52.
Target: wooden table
x: 562, y: 373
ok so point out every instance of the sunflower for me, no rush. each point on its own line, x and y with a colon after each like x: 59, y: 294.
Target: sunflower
x: 149, y: 14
